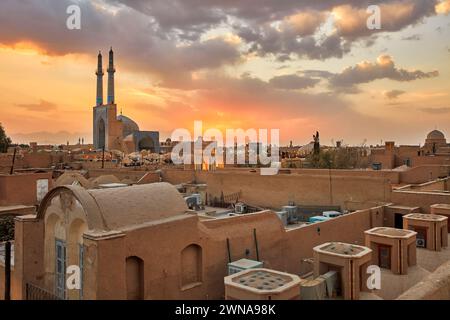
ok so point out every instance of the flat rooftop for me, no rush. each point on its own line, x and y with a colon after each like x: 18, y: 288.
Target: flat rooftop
x: 403, y: 207
x: 264, y: 279
x: 214, y: 212
x: 441, y: 206
x: 245, y: 263
x: 342, y: 249
x: 17, y: 209
x: 391, y: 232
x: 425, y: 217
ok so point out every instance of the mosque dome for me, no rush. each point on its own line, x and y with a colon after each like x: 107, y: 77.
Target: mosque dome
x: 435, y: 135
x: 128, y: 125
x: 436, y: 139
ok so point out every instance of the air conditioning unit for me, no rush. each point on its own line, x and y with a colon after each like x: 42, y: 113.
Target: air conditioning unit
x: 191, y: 202
x: 291, y: 212
x: 420, y: 243
x: 198, y: 197
x: 243, y: 264
x: 283, y: 215
x: 240, y: 208
x: 332, y: 214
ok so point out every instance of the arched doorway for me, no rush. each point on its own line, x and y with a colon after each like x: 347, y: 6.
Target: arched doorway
x: 135, y: 278
x: 75, y: 252
x: 146, y: 144
x: 101, y: 134
x: 55, y: 254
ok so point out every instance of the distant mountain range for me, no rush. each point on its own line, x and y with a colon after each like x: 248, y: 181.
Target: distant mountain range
x: 53, y: 138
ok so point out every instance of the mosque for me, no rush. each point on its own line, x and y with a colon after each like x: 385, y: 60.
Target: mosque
x: 435, y: 151
x: 117, y: 132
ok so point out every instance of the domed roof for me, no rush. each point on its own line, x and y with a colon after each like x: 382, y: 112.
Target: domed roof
x: 123, y: 207
x: 435, y: 134
x: 105, y: 179
x: 129, y: 126
x: 72, y: 178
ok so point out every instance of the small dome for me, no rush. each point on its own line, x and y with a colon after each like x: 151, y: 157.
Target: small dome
x: 73, y: 178
x: 129, y: 126
x: 435, y: 134
x: 105, y: 179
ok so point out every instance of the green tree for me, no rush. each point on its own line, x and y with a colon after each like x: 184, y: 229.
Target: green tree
x: 5, y: 141
x: 6, y: 228
x: 326, y: 160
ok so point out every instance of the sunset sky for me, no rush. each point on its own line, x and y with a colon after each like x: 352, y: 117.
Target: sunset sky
x: 295, y: 65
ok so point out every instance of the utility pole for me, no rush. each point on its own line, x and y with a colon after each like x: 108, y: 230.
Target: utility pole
x: 13, y: 161
x: 331, y: 185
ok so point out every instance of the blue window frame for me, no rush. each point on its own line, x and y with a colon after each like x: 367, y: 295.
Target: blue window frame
x: 81, y: 256
x: 60, y: 268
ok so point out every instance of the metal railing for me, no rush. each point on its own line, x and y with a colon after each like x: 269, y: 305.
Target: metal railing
x: 34, y: 292
x: 226, y: 201
x: 232, y: 198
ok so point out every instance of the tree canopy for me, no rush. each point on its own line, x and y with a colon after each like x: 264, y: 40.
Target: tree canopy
x: 5, y: 141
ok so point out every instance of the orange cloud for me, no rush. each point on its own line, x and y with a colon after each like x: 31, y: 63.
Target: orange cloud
x: 443, y: 7
x: 304, y: 23
x: 352, y: 22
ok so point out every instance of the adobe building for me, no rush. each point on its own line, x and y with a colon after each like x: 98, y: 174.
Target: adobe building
x: 142, y: 242
x: 435, y: 151
x: 442, y: 209
x: 393, y: 249
x: 349, y: 261
x: 117, y: 132
x: 24, y: 188
x: 432, y: 230
x: 435, y: 143
x: 157, y: 247
x: 262, y: 284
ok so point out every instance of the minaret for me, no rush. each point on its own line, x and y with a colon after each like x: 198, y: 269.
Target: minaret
x: 111, y: 72
x: 99, y: 74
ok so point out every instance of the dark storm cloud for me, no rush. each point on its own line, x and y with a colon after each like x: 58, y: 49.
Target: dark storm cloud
x: 350, y: 23
x: 133, y: 34
x: 269, y: 41
x: 151, y: 30
x: 162, y: 37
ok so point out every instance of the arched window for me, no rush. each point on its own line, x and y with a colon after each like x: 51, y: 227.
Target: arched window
x: 135, y: 278
x: 191, y: 265
x: 146, y: 143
